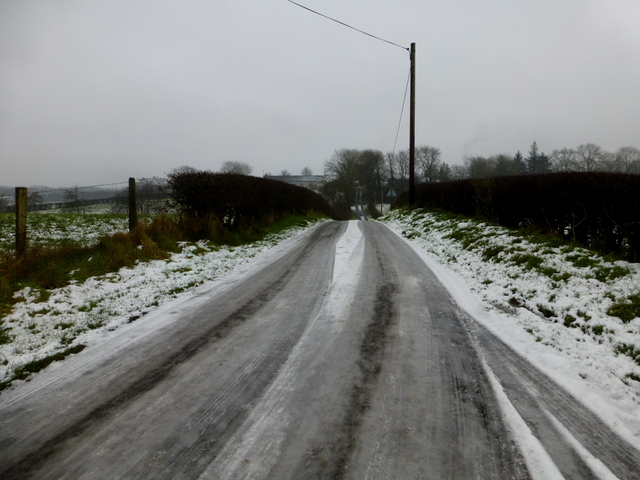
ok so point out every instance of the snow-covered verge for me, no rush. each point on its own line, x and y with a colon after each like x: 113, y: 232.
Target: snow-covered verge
x: 548, y: 302
x: 41, y: 328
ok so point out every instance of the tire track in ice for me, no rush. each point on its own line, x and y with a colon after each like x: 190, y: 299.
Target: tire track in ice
x: 255, y: 450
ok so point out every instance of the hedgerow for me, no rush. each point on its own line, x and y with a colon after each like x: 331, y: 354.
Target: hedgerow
x: 209, y: 202
x: 598, y: 210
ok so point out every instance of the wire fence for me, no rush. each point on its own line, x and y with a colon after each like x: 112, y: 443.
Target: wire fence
x: 73, y: 201
x: 66, y: 189
x: 126, y: 200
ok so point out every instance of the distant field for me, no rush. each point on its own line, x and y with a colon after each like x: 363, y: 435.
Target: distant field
x: 51, y: 230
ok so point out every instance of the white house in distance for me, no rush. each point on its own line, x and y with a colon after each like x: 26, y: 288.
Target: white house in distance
x: 312, y: 182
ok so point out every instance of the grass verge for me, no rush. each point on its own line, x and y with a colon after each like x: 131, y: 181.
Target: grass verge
x: 626, y: 310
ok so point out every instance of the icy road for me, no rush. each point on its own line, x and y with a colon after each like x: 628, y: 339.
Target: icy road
x: 343, y: 357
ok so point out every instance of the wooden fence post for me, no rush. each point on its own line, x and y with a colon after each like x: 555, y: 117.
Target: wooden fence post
x: 21, y: 221
x: 133, y: 210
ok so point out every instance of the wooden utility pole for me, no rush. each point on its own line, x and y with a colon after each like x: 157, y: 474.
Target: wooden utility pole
x: 133, y: 207
x: 21, y: 221
x: 412, y: 128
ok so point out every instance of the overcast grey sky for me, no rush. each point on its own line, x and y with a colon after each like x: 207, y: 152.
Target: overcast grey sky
x: 96, y: 91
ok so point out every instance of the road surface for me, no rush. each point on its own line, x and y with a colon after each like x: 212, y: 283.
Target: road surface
x: 306, y: 369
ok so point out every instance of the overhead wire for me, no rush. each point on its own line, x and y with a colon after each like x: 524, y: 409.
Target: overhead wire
x: 404, y: 101
x: 377, y: 38
x: 68, y: 188
x: 349, y: 26
x: 81, y: 188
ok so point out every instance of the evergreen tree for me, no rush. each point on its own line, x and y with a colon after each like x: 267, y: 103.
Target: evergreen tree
x: 537, y: 162
x: 532, y: 159
x: 544, y: 163
x: 444, y: 172
x: 519, y: 165
x: 503, y: 165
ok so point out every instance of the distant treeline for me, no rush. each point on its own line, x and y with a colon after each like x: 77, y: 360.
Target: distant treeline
x: 599, y: 210
x: 208, y: 200
x: 587, y: 157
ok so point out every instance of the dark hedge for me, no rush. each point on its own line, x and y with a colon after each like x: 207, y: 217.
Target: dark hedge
x: 598, y: 210
x: 237, y: 201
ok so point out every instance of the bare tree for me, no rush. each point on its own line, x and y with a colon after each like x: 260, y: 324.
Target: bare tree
x: 240, y: 168
x: 391, y: 163
x: 371, y: 166
x: 285, y: 173
x: 589, y: 156
x: 306, y: 171
x: 564, y: 160
x: 372, y: 174
x: 402, y: 163
x: 342, y: 169
x: 428, y: 161
x: 609, y: 163
x: 459, y: 172
x: 74, y: 201
x: 629, y: 159
x: 184, y: 169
